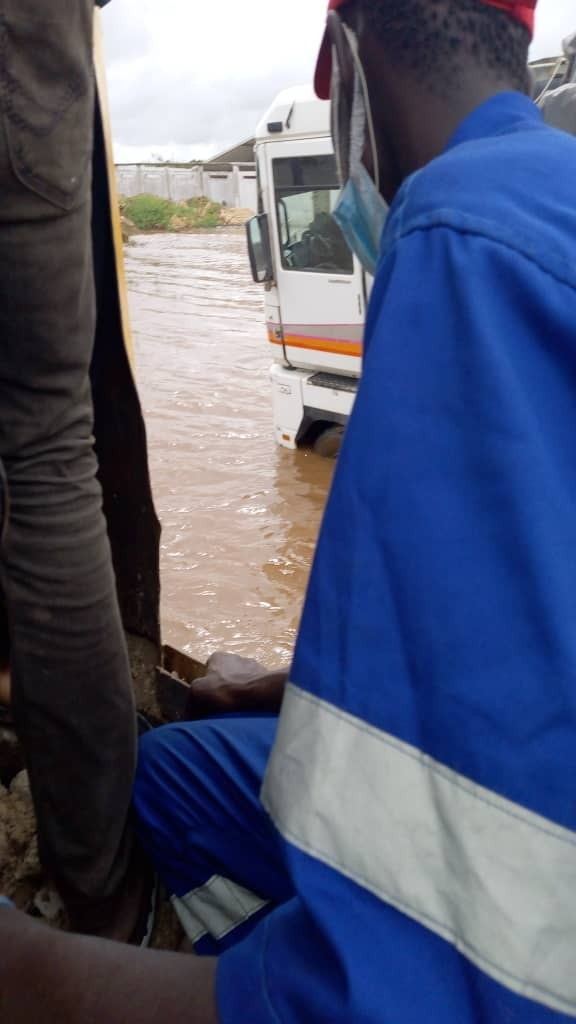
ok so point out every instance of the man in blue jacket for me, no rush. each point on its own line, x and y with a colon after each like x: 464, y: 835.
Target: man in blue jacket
x: 416, y: 857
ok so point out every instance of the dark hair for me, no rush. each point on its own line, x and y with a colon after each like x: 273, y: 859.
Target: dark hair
x: 436, y: 39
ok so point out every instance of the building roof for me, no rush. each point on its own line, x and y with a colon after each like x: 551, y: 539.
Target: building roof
x: 243, y: 153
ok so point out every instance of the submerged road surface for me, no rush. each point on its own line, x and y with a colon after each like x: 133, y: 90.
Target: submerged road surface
x: 240, y: 516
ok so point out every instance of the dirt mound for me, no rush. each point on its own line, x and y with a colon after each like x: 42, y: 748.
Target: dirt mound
x: 128, y: 228
x: 235, y: 218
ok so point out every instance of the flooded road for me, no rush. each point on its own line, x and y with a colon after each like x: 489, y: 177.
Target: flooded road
x: 240, y: 516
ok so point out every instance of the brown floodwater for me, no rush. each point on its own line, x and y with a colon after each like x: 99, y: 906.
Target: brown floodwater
x: 240, y: 516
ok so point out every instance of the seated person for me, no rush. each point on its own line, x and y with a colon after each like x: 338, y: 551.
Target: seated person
x: 411, y: 858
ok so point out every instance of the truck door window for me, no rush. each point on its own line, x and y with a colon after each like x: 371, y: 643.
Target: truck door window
x: 307, y: 191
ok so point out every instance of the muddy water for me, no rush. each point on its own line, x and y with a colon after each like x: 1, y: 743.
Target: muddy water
x: 240, y: 516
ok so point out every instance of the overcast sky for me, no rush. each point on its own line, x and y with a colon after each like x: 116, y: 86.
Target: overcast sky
x: 187, y: 78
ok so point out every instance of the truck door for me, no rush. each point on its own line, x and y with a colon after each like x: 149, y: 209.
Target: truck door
x: 319, y: 283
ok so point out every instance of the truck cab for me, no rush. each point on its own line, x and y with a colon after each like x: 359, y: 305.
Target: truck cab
x: 315, y: 289
x: 316, y: 292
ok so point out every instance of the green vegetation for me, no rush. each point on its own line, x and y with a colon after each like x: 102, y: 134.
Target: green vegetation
x: 205, y: 213
x: 150, y: 213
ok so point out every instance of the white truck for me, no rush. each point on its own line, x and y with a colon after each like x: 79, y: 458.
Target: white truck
x: 315, y: 291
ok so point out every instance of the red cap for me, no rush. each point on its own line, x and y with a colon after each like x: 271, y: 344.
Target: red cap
x: 522, y: 10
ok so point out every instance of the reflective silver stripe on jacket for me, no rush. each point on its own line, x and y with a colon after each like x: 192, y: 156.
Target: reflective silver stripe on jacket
x: 495, y: 880
x: 216, y: 908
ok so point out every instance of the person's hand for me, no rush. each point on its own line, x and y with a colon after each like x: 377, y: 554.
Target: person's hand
x: 234, y: 684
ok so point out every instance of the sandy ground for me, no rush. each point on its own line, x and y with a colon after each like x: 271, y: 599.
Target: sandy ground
x: 21, y: 877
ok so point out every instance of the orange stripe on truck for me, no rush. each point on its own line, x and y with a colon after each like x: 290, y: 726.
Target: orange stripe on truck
x: 339, y: 348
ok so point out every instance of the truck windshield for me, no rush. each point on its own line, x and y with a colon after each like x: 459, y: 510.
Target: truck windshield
x: 306, y: 191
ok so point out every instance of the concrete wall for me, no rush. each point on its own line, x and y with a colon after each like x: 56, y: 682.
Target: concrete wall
x: 235, y: 186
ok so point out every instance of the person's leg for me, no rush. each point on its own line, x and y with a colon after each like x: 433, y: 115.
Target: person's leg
x: 202, y: 823
x: 71, y: 686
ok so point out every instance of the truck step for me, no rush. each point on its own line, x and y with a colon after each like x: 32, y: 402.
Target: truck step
x: 335, y: 382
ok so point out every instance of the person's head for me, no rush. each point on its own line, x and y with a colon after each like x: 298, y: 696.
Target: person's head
x: 426, y: 65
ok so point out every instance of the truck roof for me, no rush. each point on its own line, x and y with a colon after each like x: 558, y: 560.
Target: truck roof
x: 296, y: 113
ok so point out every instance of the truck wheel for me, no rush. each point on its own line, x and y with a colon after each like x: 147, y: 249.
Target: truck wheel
x: 328, y: 443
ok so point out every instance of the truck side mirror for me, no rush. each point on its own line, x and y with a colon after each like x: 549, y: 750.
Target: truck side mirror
x: 259, y: 251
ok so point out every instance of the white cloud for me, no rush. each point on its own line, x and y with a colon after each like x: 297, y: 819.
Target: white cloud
x: 555, y: 20
x: 187, y: 79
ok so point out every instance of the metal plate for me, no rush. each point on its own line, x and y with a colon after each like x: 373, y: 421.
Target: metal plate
x: 334, y: 382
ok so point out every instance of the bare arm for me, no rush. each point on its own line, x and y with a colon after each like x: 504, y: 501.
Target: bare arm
x: 56, y: 978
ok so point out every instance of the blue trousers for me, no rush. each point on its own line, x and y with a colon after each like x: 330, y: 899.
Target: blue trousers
x: 201, y: 821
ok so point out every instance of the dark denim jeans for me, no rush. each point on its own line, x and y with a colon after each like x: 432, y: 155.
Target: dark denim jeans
x: 72, y: 693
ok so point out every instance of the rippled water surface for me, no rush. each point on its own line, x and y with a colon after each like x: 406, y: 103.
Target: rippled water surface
x: 240, y: 516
